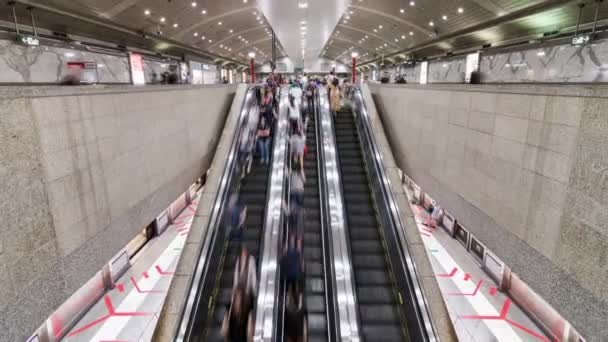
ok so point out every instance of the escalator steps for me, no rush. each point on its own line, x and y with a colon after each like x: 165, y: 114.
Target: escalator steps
x: 377, y: 304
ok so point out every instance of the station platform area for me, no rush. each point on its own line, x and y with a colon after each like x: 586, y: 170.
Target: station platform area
x: 129, y: 312
x: 478, y: 310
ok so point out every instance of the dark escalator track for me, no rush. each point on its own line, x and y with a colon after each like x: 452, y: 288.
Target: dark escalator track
x: 252, y: 193
x: 313, y: 242
x: 378, y: 302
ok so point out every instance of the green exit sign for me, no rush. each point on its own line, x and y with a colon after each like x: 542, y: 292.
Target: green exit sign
x: 28, y: 40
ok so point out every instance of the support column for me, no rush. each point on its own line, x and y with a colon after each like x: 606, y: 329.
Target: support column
x: 252, y: 66
x: 355, y: 55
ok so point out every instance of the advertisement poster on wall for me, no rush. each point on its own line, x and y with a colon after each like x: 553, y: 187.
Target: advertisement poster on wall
x: 136, y: 62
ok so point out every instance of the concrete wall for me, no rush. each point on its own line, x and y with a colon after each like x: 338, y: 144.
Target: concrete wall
x: 83, y: 171
x: 524, y: 168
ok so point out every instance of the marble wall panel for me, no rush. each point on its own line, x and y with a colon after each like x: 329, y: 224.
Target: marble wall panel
x: 447, y: 71
x: 563, y: 63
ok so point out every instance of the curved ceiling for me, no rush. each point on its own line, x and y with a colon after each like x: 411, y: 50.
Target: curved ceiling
x: 379, y: 28
x: 226, y: 28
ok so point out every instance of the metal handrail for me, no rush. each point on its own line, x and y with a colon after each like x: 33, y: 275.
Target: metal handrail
x: 266, y: 310
x: 341, y: 262
x: 372, y: 152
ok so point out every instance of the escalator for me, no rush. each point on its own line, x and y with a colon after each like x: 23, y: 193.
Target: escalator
x: 252, y: 193
x: 378, y: 300
x: 313, y: 242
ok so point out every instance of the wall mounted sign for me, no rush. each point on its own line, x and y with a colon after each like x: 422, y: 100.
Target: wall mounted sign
x: 581, y: 39
x: 28, y: 40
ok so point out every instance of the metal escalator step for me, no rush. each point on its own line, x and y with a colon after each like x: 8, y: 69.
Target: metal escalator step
x: 382, y: 333
x: 356, y: 219
x: 227, y: 278
x: 366, y: 247
x: 315, y: 285
x: 375, y: 295
x: 313, y: 253
x: 373, y: 278
x: 314, y: 270
x: 215, y: 335
x: 315, y: 303
x: 363, y: 233
x: 317, y: 324
x: 218, y: 314
x: 368, y: 261
x: 361, y: 208
x: 349, y: 178
x: 354, y: 189
x: 379, y: 313
x: 311, y: 238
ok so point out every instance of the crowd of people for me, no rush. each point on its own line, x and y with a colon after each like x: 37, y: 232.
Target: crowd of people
x: 238, y: 323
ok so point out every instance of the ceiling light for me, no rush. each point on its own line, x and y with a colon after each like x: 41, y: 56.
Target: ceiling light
x: 303, y: 4
x: 411, y: 33
x: 175, y: 25
x: 431, y: 23
x: 147, y: 12
x: 231, y: 30
x: 412, y: 3
x: 162, y: 19
x: 204, y: 11
x: 240, y: 37
x: 540, y: 53
x: 445, y: 17
x: 219, y: 23
x: 385, y: 44
x: 210, y: 41
x: 375, y: 30
x: 402, y: 10
x: 303, y: 22
x: 194, y: 4
x: 221, y: 45
x: 196, y: 34
x: 203, y: 37
x: 460, y: 10
x: 244, y: 1
x: 402, y: 36
x: 348, y: 17
x: 380, y: 27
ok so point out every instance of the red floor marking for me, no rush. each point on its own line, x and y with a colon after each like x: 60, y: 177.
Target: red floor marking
x: 183, y: 233
x: 425, y: 234
x: 428, y: 230
x: 503, y: 317
x: 493, y: 291
x: 143, y: 291
x: 192, y: 210
x: 449, y: 275
x: 187, y: 216
x: 111, y: 313
x: 161, y: 272
x: 467, y: 277
x: 121, y: 288
x: 182, y: 229
x: 474, y: 293
x: 177, y: 223
x: 146, y: 275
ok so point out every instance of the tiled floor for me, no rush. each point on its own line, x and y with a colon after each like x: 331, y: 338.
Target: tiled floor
x: 129, y: 312
x: 478, y: 310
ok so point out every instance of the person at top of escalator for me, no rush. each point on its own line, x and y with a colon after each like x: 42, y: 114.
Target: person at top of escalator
x: 245, y: 273
x: 335, y: 96
x: 237, y: 325
x: 296, y: 327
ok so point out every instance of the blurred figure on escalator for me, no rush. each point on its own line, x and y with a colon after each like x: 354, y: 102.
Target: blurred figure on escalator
x: 296, y: 326
x: 235, y: 218
x: 335, y: 96
x: 263, y: 136
x: 295, y: 117
x: 311, y: 88
x: 245, y: 274
x: 237, y: 325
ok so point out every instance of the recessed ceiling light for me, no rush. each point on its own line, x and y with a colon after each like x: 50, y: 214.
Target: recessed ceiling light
x: 431, y: 23
x: 366, y: 37
x: 375, y: 30
x: 402, y: 10
x: 348, y: 17
x: 240, y: 37
x: 445, y: 17
x: 210, y: 41
x: 194, y: 4
x: 244, y: 1
x: 221, y: 45
x: 175, y: 25
x: 231, y: 30
x: 385, y: 44
x: 460, y: 10
x: 219, y: 23
x: 162, y: 19
x: 380, y: 27
x: 411, y: 33
x: 396, y: 40
x: 402, y: 36
x: 412, y: 3
x: 203, y: 37
x: 147, y: 12
x: 204, y: 11
x: 196, y: 34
